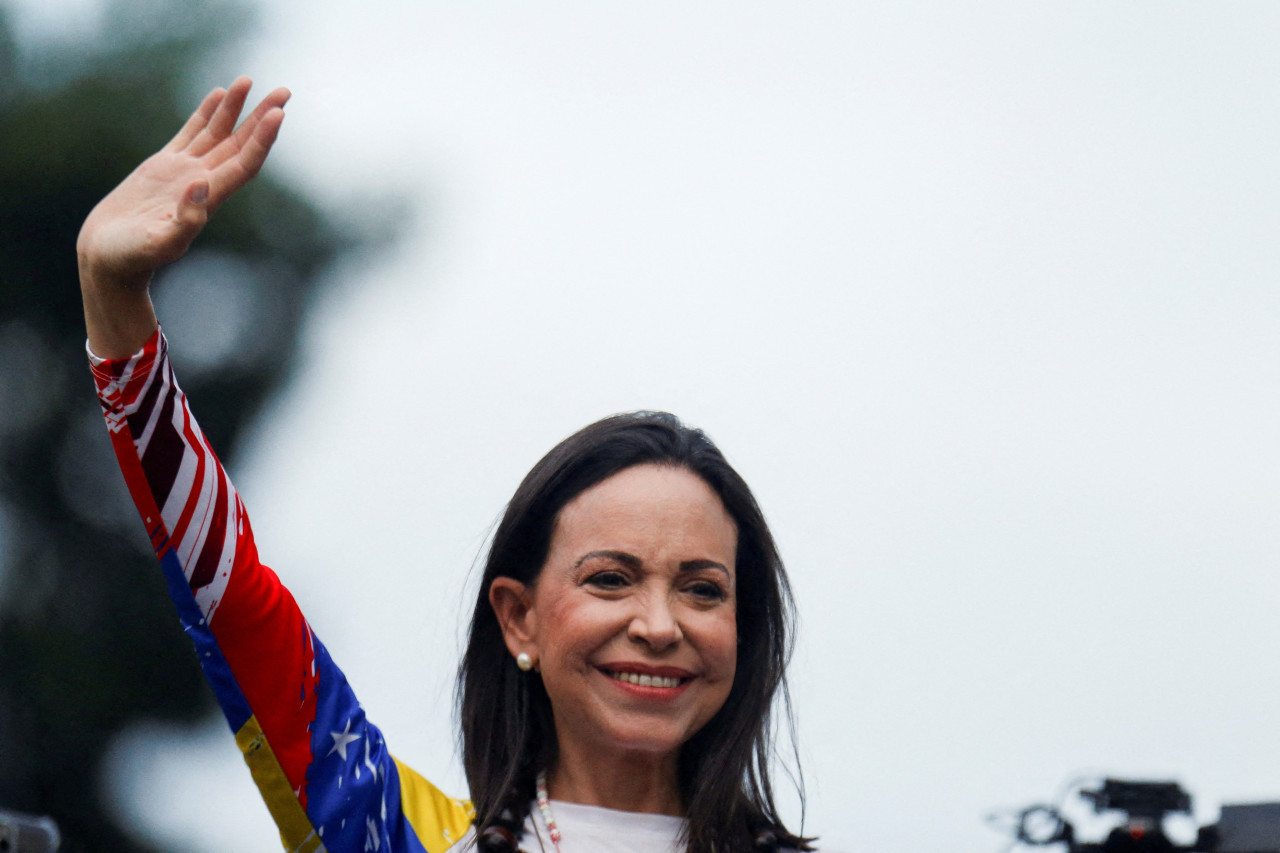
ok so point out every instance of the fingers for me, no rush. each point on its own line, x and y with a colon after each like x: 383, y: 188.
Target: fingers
x: 208, y: 133
x: 248, y: 128
x: 199, y: 119
x: 258, y: 146
x: 224, y: 118
x: 228, y: 155
x: 193, y: 210
x: 245, y: 161
x: 228, y: 112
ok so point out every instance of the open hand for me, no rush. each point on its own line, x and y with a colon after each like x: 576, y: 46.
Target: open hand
x: 152, y: 217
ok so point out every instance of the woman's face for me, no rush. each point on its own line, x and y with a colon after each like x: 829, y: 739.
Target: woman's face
x: 632, y: 620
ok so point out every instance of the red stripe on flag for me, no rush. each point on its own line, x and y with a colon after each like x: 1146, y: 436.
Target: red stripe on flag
x: 257, y: 613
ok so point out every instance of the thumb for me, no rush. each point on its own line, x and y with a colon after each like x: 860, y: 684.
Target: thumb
x: 193, y: 211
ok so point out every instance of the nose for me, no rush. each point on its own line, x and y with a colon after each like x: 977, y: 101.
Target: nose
x: 655, y: 623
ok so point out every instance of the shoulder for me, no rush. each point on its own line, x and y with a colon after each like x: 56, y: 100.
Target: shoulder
x: 441, y: 822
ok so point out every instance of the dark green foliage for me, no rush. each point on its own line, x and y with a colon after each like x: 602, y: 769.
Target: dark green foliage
x: 88, y: 642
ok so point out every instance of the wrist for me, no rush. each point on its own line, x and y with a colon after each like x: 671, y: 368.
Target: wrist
x: 98, y: 275
x: 118, y: 314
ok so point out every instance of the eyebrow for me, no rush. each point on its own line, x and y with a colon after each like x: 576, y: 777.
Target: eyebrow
x: 631, y: 561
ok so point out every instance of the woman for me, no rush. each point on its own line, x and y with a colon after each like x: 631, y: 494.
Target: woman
x: 626, y: 646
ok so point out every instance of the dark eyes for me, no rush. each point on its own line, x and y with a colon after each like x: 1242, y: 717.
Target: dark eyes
x: 608, y: 580
x: 614, y: 581
x: 707, y: 591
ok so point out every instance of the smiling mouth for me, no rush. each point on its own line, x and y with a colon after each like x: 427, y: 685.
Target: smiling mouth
x: 641, y: 680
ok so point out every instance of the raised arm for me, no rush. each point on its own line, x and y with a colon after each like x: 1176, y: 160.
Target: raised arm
x: 322, y: 768
x: 152, y: 217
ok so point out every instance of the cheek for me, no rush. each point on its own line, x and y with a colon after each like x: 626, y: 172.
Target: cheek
x: 719, y: 641
x: 573, y: 629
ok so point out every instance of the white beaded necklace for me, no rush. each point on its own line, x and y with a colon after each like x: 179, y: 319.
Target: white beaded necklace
x: 544, y: 806
x: 765, y: 839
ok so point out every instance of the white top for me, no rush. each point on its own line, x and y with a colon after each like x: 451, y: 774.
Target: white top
x: 591, y: 829
x: 587, y: 828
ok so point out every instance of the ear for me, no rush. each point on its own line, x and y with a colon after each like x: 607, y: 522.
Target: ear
x: 512, y: 603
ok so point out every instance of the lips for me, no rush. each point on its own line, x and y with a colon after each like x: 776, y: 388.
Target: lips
x: 640, y: 675
x: 645, y: 680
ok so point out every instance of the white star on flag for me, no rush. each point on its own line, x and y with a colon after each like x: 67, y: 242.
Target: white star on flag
x: 340, y: 741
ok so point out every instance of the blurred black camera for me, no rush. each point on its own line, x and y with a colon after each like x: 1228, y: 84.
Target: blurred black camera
x: 1242, y: 828
x: 24, y: 833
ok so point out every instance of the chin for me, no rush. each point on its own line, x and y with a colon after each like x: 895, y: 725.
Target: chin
x: 644, y: 737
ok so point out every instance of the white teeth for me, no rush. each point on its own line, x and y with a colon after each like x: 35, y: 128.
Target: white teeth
x: 645, y: 680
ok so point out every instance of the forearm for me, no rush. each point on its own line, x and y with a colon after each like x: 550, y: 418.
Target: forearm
x: 118, y: 314
x: 256, y: 649
x: 322, y: 768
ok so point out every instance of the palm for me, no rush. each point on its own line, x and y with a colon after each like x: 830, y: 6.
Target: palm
x: 152, y: 217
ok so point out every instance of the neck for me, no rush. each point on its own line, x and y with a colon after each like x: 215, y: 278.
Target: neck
x: 631, y: 782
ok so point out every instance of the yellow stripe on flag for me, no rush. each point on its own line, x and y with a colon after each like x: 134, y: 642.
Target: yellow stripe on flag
x: 438, y: 820
x: 296, y: 832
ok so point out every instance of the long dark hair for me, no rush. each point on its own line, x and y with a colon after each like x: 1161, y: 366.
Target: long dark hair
x: 508, y: 733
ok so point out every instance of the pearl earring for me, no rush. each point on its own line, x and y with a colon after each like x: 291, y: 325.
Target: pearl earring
x: 524, y: 661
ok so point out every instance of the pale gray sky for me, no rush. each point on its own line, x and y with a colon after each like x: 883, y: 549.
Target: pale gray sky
x: 980, y: 298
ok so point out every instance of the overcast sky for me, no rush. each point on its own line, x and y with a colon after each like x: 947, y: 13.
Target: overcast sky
x: 981, y: 299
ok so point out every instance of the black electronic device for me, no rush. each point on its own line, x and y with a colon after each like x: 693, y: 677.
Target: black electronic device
x: 24, y: 833
x: 1143, y: 807
x: 1249, y: 828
